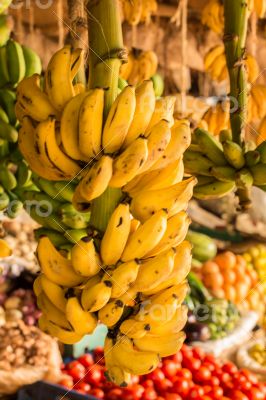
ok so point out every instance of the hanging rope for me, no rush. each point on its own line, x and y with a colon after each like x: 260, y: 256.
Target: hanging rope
x: 60, y: 14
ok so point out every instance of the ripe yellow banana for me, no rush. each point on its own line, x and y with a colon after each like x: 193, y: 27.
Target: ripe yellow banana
x: 173, y: 199
x: 122, y: 277
x: 145, y: 104
x: 134, y: 329
x: 58, y: 79
x: 56, y: 267
x: 54, y: 292
x: 69, y: 127
x: 85, y: 259
x: 180, y: 141
x: 176, y: 231
x: 115, y: 372
x: 133, y: 361
x: 146, y: 237
x: 111, y: 313
x: 175, y: 325
x: 116, y: 235
x: 33, y: 101
x: 37, y: 286
x: 97, y: 296
x: 119, y: 120
x: 96, y: 180
x: 148, y: 64
x: 90, y: 124
x: 154, y: 271
x: 64, y: 335
x: 164, y: 109
x: 126, y: 68
x: 164, y: 345
x: 130, y: 162
x: 51, y: 312
x: 82, y: 322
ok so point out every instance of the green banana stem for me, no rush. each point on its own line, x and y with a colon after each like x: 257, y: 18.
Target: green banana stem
x: 106, y: 56
x: 236, y: 20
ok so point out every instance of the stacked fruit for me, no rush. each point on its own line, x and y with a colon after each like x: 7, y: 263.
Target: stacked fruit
x: 16, y: 62
x: 221, y: 165
x: 189, y: 374
x: 137, y: 11
x: 215, y: 65
x: 141, y: 66
x: 210, y: 318
x: 131, y: 276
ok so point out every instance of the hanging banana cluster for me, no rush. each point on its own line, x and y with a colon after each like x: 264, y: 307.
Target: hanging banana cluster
x: 256, y: 103
x: 16, y: 62
x: 217, y: 118
x: 215, y: 65
x: 137, y: 11
x: 222, y: 166
x: 141, y: 65
x: 132, y: 276
x: 213, y: 13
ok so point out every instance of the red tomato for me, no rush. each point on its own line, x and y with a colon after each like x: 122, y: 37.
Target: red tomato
x: 230, y: 368
x: 169, y: 368
x: 177, y: 358
x: 133, y: 392
x: 83, y: 386
x: 237, y: 395
x: 181, y: 386
x: 86, y: 360
x: 210, y: 358
x: 255, y: 394
x: 196, y: 392
x: 198, y: 353
x: 134, y: 379
x: 208, y: 365
x: 67, y: 382
x: 207, y: 389
x: 74, y: 364
x: 171, y: 396
x: 164, y: 385
x: 148, y: 384
x: 216, y: 392
x: 214, y: 381
x: 184, y: 373
x: 77, y: 371
x: 261, y: 387
x: 94, y: 375
x: 245, y: 386
x: 206, y: 398
x: 225, y: 377
x: 149, y: 394
x: 192, y: 363
x: 98, y: 356
x: 99, y: 393
x: 202, y: 375
x: 156, y: 375
x: 114, y: 394
x: 249, y: 376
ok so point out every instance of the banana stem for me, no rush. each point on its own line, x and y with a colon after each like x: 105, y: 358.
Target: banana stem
x: 106, y: 55
x: 236, y: 20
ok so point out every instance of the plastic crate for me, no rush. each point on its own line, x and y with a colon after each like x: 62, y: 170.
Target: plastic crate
x: 47, y: 391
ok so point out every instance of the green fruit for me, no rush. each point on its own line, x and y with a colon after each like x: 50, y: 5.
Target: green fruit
x: 32, y: 61
x: 204, y: 248
x: 158, y: 84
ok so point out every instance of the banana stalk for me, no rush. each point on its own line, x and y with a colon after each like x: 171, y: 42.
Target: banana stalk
x: 106, y: 55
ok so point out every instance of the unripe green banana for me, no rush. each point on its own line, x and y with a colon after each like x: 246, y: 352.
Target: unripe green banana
x: 4, y: 75
x: 65, y: 190
x: 3, y: 116
x: 14, y: 209
x: 158, y: 84
x: 7, y: 178
x: 32, y: 62
x: 204, y: 180
x: 224, y: 174
x: 5, y: 29
x: 75, y: 235
x: 15, y: 61
x: 262, y: 150
x: 213, y: 190
x: 252, y: 158
x: 244, y: 179
x: 23, y: 174
x: 234, y: 154
x: 210, y: 146
x: 50, y: 221
x: 4, y: 201
x: 42, y: 200
x: 122, y: 83
x: 225, y: 135
x: 259, y: 174
x: 7, y: 101
x: 196, y: 163
x: 56, y: 238
x: 8, y: 132
x: 48, y: 187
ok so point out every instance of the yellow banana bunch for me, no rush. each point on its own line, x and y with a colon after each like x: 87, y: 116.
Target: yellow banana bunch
x: 136, y: 11
x: 141, y: 65
x: 257, y: 103
x: 213, y: 16
x: 5, y: 250
x: 215, y: 65
x: 217, y: 117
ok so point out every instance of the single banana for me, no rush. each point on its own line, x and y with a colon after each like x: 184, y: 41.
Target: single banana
x: 122, y: 277
x: 91, y: 123
x: 145, y: 104
x: 173, y: 199
x: 176, y: 231
x: 210, y: 146
x: 5, y: 250
x: 146, y: 237
x: 259, y: 174
x: 175, y: 325
x: 15, y: 61
x: 57, y: 268
x: 130, y: 162
x: 214, y: 190
x: 224, y: 174
x: 82, y: 322
x: 51, y: 312
x: 115, y: 373
x: 37, y: 286
x: 212, y: 55
x: 134, y: 329
x: 65, y: 336
x: 95, y: 297
x: 116, y: 235
x: 85, y: 259
x: 164, y: 345
x: 54, y: 292
x: 164, y: 109
x: 111, y: 313
x: 119, y: 120
x: 234, y: 154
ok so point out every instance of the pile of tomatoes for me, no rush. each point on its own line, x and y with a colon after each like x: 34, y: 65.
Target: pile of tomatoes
x: 190, y: 374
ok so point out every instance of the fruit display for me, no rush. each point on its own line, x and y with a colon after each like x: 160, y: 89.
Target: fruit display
x: 137, y: 11
x: 128, y: 270
x: 140, y: 66
x: 215, y: 65
x: 189, y: 374
x: 209, y: 318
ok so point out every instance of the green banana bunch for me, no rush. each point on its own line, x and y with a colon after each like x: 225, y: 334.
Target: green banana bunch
x: 223, y: 166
